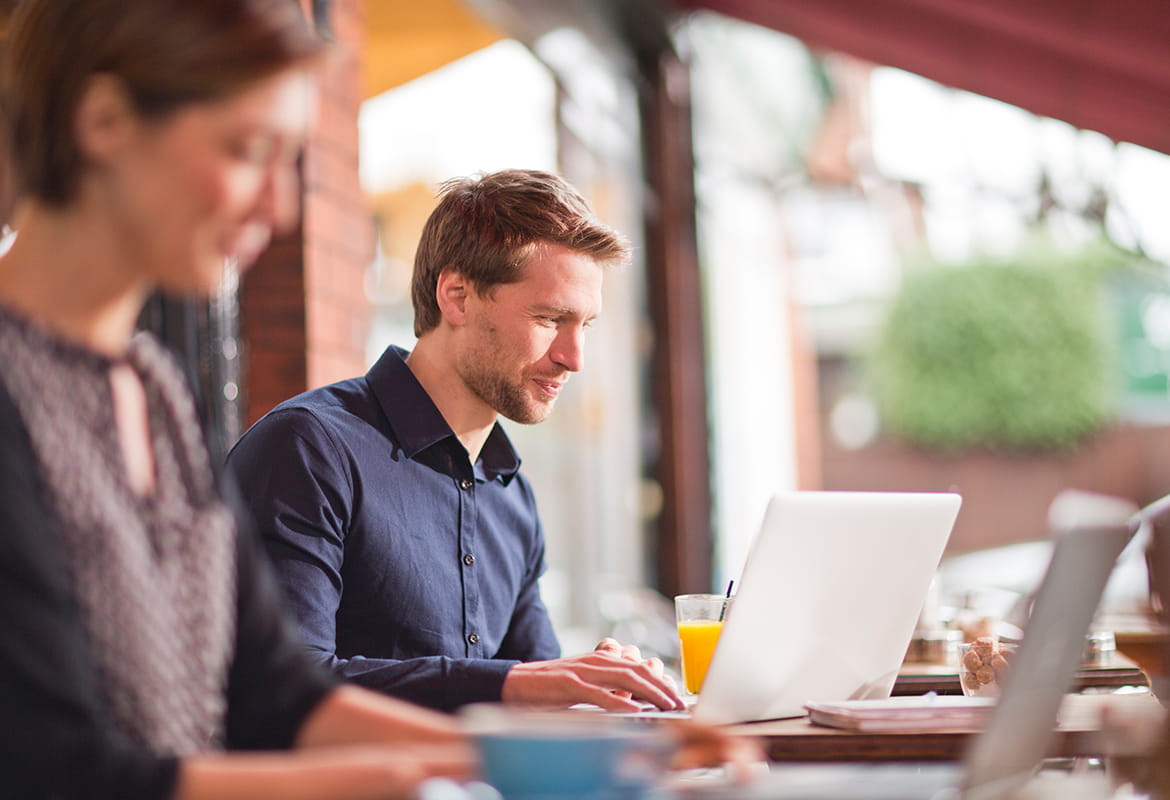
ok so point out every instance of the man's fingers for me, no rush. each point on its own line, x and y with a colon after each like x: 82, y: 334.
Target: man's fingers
x: 629, y: 652
x: 638, y: 679
x: 621, y: 678
x: 608, y: 699
x: 656, y: 669
x: 602, y: 677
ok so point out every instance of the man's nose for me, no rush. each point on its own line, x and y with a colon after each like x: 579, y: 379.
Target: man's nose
x: 569, y: 348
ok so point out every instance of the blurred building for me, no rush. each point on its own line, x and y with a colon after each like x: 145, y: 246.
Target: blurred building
x: 770, y: 198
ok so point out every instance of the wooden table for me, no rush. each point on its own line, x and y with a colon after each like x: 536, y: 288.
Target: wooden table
x: 1111, y: 673
x: 799, y: 740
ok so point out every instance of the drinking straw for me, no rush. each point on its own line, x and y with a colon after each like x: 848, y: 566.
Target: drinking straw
x: 723, y: 610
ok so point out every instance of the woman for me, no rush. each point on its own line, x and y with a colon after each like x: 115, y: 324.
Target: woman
x: 152, y: 142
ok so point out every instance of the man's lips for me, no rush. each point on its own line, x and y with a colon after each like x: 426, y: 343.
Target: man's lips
x: 550, y: 388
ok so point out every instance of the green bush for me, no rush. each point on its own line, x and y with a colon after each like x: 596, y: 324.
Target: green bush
x: 996, y: 354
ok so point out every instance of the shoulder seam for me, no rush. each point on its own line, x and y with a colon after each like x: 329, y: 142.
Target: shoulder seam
x: 310, y: 414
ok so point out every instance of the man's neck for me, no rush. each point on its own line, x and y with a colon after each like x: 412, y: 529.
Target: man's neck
x: 465, y: 412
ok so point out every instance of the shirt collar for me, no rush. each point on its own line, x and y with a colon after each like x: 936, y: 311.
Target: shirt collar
x: 417, y: 423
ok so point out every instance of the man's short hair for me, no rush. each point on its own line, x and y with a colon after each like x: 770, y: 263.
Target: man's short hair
x: 486, y: 227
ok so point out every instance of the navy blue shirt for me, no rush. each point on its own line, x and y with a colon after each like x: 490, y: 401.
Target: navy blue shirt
x: 410, y: 570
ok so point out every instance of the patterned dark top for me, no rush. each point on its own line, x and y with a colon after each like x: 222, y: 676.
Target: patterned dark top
x: 150, y: 597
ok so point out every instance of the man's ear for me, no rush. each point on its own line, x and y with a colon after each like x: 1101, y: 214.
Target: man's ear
x: 451, y: 293
x: 105, y: 118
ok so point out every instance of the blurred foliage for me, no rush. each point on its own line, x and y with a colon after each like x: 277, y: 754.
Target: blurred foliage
x: 1007, y: 354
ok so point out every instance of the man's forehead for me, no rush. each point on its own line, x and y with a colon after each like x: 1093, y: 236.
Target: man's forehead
x: 564, y: 309
x: 540, y: 251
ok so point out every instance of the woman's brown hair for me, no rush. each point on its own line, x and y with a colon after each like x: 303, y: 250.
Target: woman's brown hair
x: 167, y: 54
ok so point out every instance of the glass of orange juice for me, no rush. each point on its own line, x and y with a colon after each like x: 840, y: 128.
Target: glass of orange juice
x: 700, y: 621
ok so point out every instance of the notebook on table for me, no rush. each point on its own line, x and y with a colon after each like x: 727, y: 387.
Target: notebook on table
x: 929, y: 712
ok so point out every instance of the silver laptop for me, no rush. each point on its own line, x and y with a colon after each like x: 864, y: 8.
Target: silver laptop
x: 1090, y: 531
x: 827, y: 602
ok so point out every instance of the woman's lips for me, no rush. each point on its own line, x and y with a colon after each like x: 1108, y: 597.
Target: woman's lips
x: 249, y: 244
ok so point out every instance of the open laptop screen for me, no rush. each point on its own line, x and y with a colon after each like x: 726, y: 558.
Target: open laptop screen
x: 1089, y: 533
x: 827, y: 601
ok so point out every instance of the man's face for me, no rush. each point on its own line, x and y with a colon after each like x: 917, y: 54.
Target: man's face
x: 525, y: 338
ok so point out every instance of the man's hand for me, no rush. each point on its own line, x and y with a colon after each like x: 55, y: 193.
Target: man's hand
x: 632, y: 653
x: 613, y: 676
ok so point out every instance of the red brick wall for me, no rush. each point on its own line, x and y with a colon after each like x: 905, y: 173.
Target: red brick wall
x: 272, y: 327
x: 304, y: 313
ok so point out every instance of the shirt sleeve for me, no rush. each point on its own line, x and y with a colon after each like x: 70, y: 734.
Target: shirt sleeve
x: 56, y: 736
x: 273, y: 684
x: 299, y: 494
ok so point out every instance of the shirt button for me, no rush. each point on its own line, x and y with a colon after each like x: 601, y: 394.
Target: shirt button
x: 465, y: 485
x: 473, y: 638
x: 469, y: 559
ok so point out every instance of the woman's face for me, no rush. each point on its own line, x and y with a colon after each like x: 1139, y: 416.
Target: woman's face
x: 211, y: 182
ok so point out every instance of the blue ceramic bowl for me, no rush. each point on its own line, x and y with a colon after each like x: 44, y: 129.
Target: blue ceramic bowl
x: 569, y: 756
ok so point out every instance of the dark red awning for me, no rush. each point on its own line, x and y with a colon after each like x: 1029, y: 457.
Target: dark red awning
x: 1097, y: 64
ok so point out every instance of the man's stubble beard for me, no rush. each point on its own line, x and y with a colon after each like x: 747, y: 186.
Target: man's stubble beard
x: 480, y: 375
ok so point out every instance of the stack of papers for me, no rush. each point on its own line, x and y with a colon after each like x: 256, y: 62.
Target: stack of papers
x: 928, y: 712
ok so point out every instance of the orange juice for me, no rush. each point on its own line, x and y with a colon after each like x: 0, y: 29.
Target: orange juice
x: 698, y: 638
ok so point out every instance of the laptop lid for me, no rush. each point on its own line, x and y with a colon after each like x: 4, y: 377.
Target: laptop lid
x: 827, y: 601
x: 1089, y: 533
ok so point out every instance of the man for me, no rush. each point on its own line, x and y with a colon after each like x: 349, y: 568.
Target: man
x: 403, y: 533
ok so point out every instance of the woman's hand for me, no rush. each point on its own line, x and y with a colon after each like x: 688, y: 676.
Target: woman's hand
x: 344, y: 772
x: 706, y: 746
